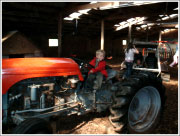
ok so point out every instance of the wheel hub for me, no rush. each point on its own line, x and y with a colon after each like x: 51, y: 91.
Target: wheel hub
x: 139, y: 107
x: 144, y: 108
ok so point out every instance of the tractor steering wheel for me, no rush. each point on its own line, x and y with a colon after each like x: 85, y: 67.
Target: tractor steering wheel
x: 83, y: 65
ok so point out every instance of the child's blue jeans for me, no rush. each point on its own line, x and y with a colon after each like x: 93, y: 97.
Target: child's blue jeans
x: 128, y: 71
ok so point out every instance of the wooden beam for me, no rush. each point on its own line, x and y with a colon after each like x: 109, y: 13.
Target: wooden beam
x: 60, y: 20
x: 97, y: 5
x: 128, y: 14
x: 129, y: 33
x: 102, y: 35
x: 160, y: 34
x: 147, y: 34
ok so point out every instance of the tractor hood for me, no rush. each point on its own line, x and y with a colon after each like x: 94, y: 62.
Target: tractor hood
x: 17, y: 69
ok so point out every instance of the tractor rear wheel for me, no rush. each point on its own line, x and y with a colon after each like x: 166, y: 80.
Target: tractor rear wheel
x: 137, y: 104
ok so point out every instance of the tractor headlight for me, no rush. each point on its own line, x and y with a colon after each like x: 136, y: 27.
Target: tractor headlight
x: 73, y: 82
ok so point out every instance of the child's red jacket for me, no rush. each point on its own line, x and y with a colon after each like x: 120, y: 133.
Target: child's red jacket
x: 100, y: 68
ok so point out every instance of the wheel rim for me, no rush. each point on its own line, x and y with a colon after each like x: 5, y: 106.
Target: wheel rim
x: 144, y: 109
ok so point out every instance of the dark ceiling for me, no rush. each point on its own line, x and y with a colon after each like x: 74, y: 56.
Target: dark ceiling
x: 42, y: 17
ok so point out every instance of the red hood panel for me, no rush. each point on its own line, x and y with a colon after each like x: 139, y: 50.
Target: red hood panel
x: 16, y: 69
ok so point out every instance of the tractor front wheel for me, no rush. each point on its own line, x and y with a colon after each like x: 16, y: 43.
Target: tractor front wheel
x: 33, y: 126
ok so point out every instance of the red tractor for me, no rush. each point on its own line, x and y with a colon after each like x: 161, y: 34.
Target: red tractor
x: 35, y: 89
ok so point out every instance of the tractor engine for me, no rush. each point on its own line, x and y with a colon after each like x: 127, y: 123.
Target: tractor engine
x: 39, y: 95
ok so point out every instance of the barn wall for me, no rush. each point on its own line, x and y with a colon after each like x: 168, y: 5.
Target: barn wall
x: 85, y: 47
x: 82, y: 46
x: 77, y: 45
x: 19, y: 44
x: 43, y: 44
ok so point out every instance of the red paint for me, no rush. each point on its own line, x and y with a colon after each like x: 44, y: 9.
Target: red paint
x: 172, y: 42
x: 17, y: 69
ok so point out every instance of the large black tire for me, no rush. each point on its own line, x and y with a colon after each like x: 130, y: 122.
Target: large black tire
x: 139, y: 83
x: 33, y: 126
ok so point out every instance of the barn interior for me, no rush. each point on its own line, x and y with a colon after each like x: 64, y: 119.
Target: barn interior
x: 78, y: 29
x: 41, y: 21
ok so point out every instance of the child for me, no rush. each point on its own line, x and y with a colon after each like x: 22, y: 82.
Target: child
x: 129, y: 58
x: 98, y: 73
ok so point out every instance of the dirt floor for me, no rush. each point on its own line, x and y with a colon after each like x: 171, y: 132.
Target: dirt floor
x: 98, y: 123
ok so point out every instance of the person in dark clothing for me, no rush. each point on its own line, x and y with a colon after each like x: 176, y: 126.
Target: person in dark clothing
x: 98, y: 73
x: 138, y: 60
x: 151, y: 61
x: 138, y: 63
